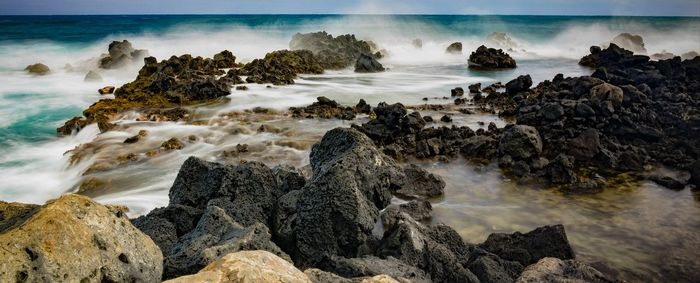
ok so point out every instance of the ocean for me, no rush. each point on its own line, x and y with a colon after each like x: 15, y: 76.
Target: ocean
x: 629, y: 229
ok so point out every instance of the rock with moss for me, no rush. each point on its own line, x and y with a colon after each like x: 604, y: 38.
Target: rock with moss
x: 38, y: 69
x: 53, y: 242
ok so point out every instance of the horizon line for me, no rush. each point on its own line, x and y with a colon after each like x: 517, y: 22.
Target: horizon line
x: 349, y: 14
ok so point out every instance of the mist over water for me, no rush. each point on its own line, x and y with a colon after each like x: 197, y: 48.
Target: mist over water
x: 35, y: 165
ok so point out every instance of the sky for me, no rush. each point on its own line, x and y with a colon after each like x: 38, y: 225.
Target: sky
x: 498, y: 7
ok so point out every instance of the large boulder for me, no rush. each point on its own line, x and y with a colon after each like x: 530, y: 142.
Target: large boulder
x: 367, y: 64
x: 74, y: 239
x: 337, y: 209
x: 491, y: 268
x: 528, y: 248
x: 420, y: 183
x: 521, y: 142
x: 332, y: 52
x: 247, y: 266
x: 519, y: 84
x: 38, y: 69
x: 554, y: 270
x: 490, y: 58
x: 121, y: 53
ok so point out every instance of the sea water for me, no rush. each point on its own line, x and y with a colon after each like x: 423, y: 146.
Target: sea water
x: 646, y: 232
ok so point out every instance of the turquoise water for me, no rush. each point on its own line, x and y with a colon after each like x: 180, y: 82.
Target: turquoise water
x: 35, y: 164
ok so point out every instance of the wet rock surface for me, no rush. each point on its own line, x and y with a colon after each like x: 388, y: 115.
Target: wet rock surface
x: 37, y: 69
x: 368, y: 64
x: 282, y: 67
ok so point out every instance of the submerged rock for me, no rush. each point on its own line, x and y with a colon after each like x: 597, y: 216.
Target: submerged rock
x: 121, y: 53
x: 417, y: 43
x: 247, y: 266
x: 38, y: 69
x: 51, y: 243
x: 454, y: 48
x: 367, y: 64
x: 490, y: 58
x: 501, y: 39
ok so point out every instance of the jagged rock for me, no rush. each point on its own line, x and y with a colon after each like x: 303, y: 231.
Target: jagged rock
x: 458, y: 91
x: 439, y: 250
x: 475, y: 88
x: 38, y: 69
x: 246, y: 192
x: 324, y: 108
x: 225, y: 59
x: 521, y: 142
x: 632, y: 42
x: 172, y: 144
x: 528, y: 248
x: 586, y: 145
x: 418, y: 209
x: 367, y: 64
x: 51, y: 243
x: 282, y: 67
x: 121, y: 53
x: 92, y: 76
x: 491, y: 268
x: 420, y: 183
x: 454, y: 48
x: 338, y: 207
x: 215, y: 235
x: 490, y: 58
x: 520, y: 84
x: 247, y: 266
x: 331, y: 52
x: 554, y: 270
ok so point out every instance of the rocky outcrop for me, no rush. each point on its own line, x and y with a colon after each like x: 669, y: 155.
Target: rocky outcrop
x: 38, y: 69
x: 367, y: 64
x: 490, y: 58
x: 52, y: 243
x: 332, y: 52
x: 183, y: 80
x: 282, y: 67
x: 247, y: 266
x: 454, y: 48
x: 554, y: 270
x: 121, y: 53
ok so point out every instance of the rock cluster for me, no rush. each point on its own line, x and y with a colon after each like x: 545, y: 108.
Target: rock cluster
x: 282, y: 67
x: 159, y: 85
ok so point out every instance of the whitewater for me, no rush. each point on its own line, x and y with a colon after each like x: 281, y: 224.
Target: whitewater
x: 36, y: 165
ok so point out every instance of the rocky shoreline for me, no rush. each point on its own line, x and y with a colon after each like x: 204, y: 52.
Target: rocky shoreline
x: 335, y: 222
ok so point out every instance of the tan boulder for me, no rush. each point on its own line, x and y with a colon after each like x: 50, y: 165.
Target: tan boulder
x: 554, y: 270
x: 247, y: 266
x: 38, y: 69
x: 74, y: 239
x: 607, y: 92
